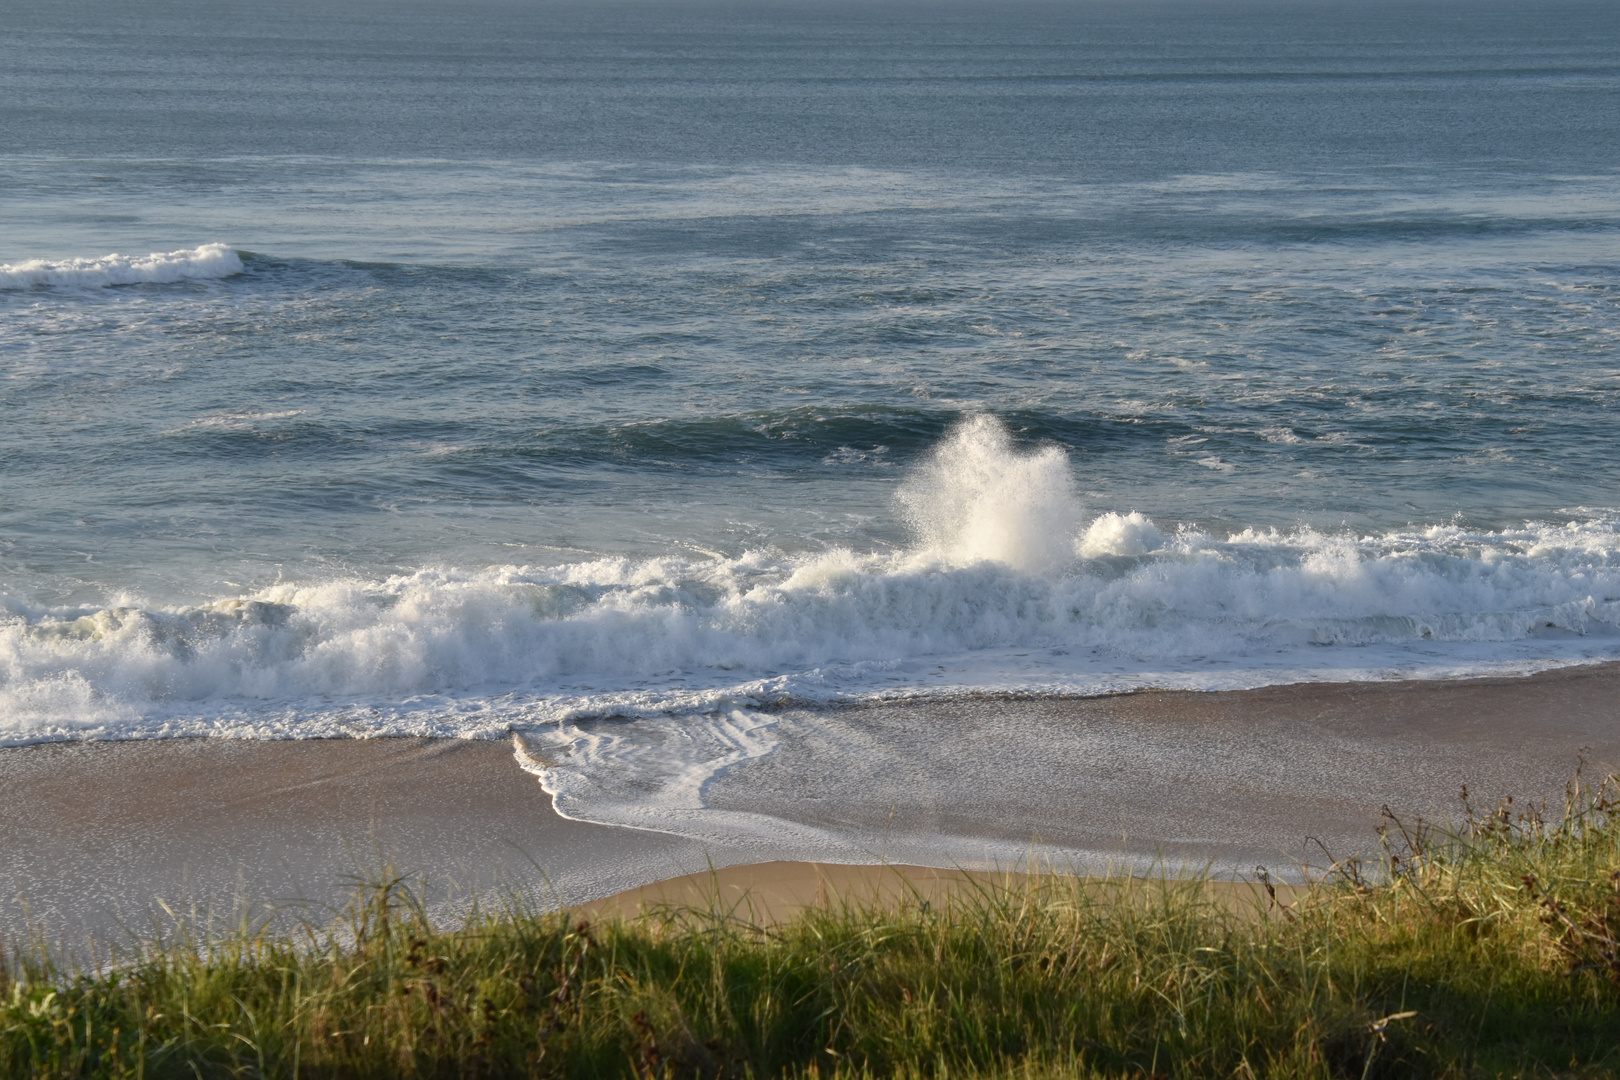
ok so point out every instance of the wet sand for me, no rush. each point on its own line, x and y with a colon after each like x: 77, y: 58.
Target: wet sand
x: 92, y: 833
x: 1276, y: 776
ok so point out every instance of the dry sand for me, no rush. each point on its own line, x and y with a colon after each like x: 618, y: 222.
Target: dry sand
x: 92, y: 833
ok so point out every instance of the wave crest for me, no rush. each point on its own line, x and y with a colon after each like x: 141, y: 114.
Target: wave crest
x: 1006, y: 588
x: 839, y: 624
x: 207, y: 261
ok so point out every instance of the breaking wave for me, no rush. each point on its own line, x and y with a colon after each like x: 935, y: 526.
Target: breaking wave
x: 1010, y: 586
x: 207, y: 261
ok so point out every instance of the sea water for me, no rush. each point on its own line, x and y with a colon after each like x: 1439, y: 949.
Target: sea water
x: 478, y: 367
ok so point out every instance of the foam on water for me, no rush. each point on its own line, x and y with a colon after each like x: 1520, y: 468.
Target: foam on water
x: 1008, y: 588
x: 657, y: 777
x: 1119, y: 534
x: 207, y: 261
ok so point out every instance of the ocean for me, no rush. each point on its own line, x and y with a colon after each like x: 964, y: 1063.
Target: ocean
x: 649, y: 369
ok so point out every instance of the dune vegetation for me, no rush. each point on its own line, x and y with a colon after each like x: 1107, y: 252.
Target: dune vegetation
x: 1489, y: 949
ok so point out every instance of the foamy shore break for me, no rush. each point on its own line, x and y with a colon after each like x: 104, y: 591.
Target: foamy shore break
x: 97, y: 832
x: 1010, y: 585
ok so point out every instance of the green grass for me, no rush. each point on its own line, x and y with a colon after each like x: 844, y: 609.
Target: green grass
x: 1486, y: 951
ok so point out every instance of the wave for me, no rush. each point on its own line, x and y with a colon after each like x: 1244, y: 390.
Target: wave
x: 207, y: 261
x: 806, y: 435
x: 1009, y: 587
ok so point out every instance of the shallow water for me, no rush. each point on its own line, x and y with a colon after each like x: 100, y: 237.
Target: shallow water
x: 462, y: 370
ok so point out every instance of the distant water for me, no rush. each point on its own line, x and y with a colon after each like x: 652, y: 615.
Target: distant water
x: 445, y: 368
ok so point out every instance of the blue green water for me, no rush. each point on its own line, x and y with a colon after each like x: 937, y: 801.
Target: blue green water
x: 562, y: 359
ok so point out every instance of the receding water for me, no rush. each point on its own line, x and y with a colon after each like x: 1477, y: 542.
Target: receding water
x: 442, y: 368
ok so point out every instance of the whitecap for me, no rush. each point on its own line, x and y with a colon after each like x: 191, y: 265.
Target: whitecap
x: 207, y: 261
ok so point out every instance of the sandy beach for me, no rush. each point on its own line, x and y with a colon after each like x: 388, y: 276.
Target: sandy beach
x: 1270, y: 776
x: 94, y: 835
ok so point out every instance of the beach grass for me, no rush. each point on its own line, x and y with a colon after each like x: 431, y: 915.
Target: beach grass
x: 1487, y: 949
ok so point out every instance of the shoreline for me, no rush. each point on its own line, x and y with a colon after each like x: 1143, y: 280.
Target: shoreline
x: 93, y: 834
x: 1147, y: 782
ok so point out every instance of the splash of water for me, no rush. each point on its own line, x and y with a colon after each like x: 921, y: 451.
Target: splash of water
x: 1119, y: 534
x: 1002, y: 570
x: 977, y: 498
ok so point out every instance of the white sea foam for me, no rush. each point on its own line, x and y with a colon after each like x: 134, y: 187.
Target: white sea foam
x: 1008, y: 589
x: 656, y: 777
x: 207, y: 261
x: 679, y: 774
x: 1119, y: 534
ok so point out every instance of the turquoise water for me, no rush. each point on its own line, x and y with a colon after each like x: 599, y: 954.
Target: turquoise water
x: 503, y: 362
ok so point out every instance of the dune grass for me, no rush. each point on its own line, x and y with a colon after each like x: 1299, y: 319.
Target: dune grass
x: 1488, y: 950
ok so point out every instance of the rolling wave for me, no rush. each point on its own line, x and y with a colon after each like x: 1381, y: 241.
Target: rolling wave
x: 1006, y: 564
x: 187, y: 264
